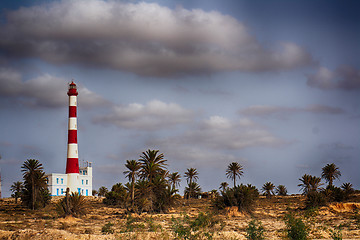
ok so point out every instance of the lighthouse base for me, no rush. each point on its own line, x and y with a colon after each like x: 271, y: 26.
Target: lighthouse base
x: 76, y: 182
x: 73, y: 182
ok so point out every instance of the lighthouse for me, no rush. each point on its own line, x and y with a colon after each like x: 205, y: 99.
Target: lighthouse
x: 76, y: 178
x: 72, y: 162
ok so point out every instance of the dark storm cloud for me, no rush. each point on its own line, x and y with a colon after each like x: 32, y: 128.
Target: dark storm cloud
x: 43, y: 91
x: 344, y: 77
x: 143, y: 38
x: 278, y: 111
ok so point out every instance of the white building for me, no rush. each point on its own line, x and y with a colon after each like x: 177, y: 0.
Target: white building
x: 58, y: 182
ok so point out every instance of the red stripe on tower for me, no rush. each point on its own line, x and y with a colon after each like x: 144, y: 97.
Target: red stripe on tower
x: 72, y: 111
x: 72, y: 163
x: 72, y: 136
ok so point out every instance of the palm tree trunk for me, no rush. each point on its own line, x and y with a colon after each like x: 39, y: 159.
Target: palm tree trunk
x: 190, y: 188
x: 132, y: 191
x: 33, y: 194
x: 234, y: 179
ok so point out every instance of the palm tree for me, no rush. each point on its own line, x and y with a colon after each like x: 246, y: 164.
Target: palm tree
x: 94, y: 192
x: 102, y: 191
x: 16, y: 188
x: 268, y: 189
x: 152, y: 164
x: 315, y: 183
x: 191, y: 175
x: 305, y: 185
x: 193, y: 190
x: 348, y: 189
x: 34, y: 179
x: 281, y: 190
x: 233, y: 171
x: 223, y: 186
x: 174, y: 179
x: 330, y: 172
x: 131, y: 174
x: 144, y: 197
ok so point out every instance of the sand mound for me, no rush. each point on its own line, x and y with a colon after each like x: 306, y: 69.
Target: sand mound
x: 233, y: 212
x: 344, y: 207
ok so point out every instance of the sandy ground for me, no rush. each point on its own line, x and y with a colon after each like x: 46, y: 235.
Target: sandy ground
x: 17, y: 222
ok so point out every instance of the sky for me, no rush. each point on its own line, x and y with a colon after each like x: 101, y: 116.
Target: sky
x: 273, y: 85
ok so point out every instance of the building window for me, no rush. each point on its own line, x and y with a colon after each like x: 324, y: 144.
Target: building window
x: 87, y: 192
x: 57, y: 180
x: 87, y: 182
x: 57, y: 192
x: 82, y: 182
x: 62, y: 191
x: 62, y: 181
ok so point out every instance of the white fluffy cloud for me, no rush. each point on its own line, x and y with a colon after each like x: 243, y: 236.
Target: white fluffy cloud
x: 153, y: 115
x: 344, y: 77
x: 144, y: 38
x: 43, y: 91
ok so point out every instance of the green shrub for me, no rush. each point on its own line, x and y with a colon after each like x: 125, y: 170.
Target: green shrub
x: 152, y: 227
x: 336, y: 234
x: 334, y: 194
x: 296, y: 228
x: 356, y: 217
x: 74, y: 204
x: 255, y: 230
x: 243, y: 196
x: 117, y: 196
x: 281, y: 190
x: 348, y: 189
x: 315, y: 199
x: 107, y: 228
x: 129, y: 225
x: 311, y: 212
x: 204, y: 226
x: 132, y: 225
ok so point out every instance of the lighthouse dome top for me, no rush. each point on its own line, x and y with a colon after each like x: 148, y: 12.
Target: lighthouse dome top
x: 72, y: 89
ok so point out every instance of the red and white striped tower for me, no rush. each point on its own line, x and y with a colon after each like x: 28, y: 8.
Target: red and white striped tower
x: 72, y: 163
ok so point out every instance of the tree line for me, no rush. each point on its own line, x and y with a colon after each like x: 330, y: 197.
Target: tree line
x: 152, y: 188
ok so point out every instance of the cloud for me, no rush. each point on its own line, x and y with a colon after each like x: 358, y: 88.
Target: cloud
x: 154, y: 115
x: 43, y: 91
x: 219, y: 133
x: 144, y: 38
x: 278, y: 111
x: 344, y: 78
x: 198, y: 156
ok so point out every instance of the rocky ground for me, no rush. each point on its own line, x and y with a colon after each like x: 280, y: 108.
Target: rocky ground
x: 103, y: 222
